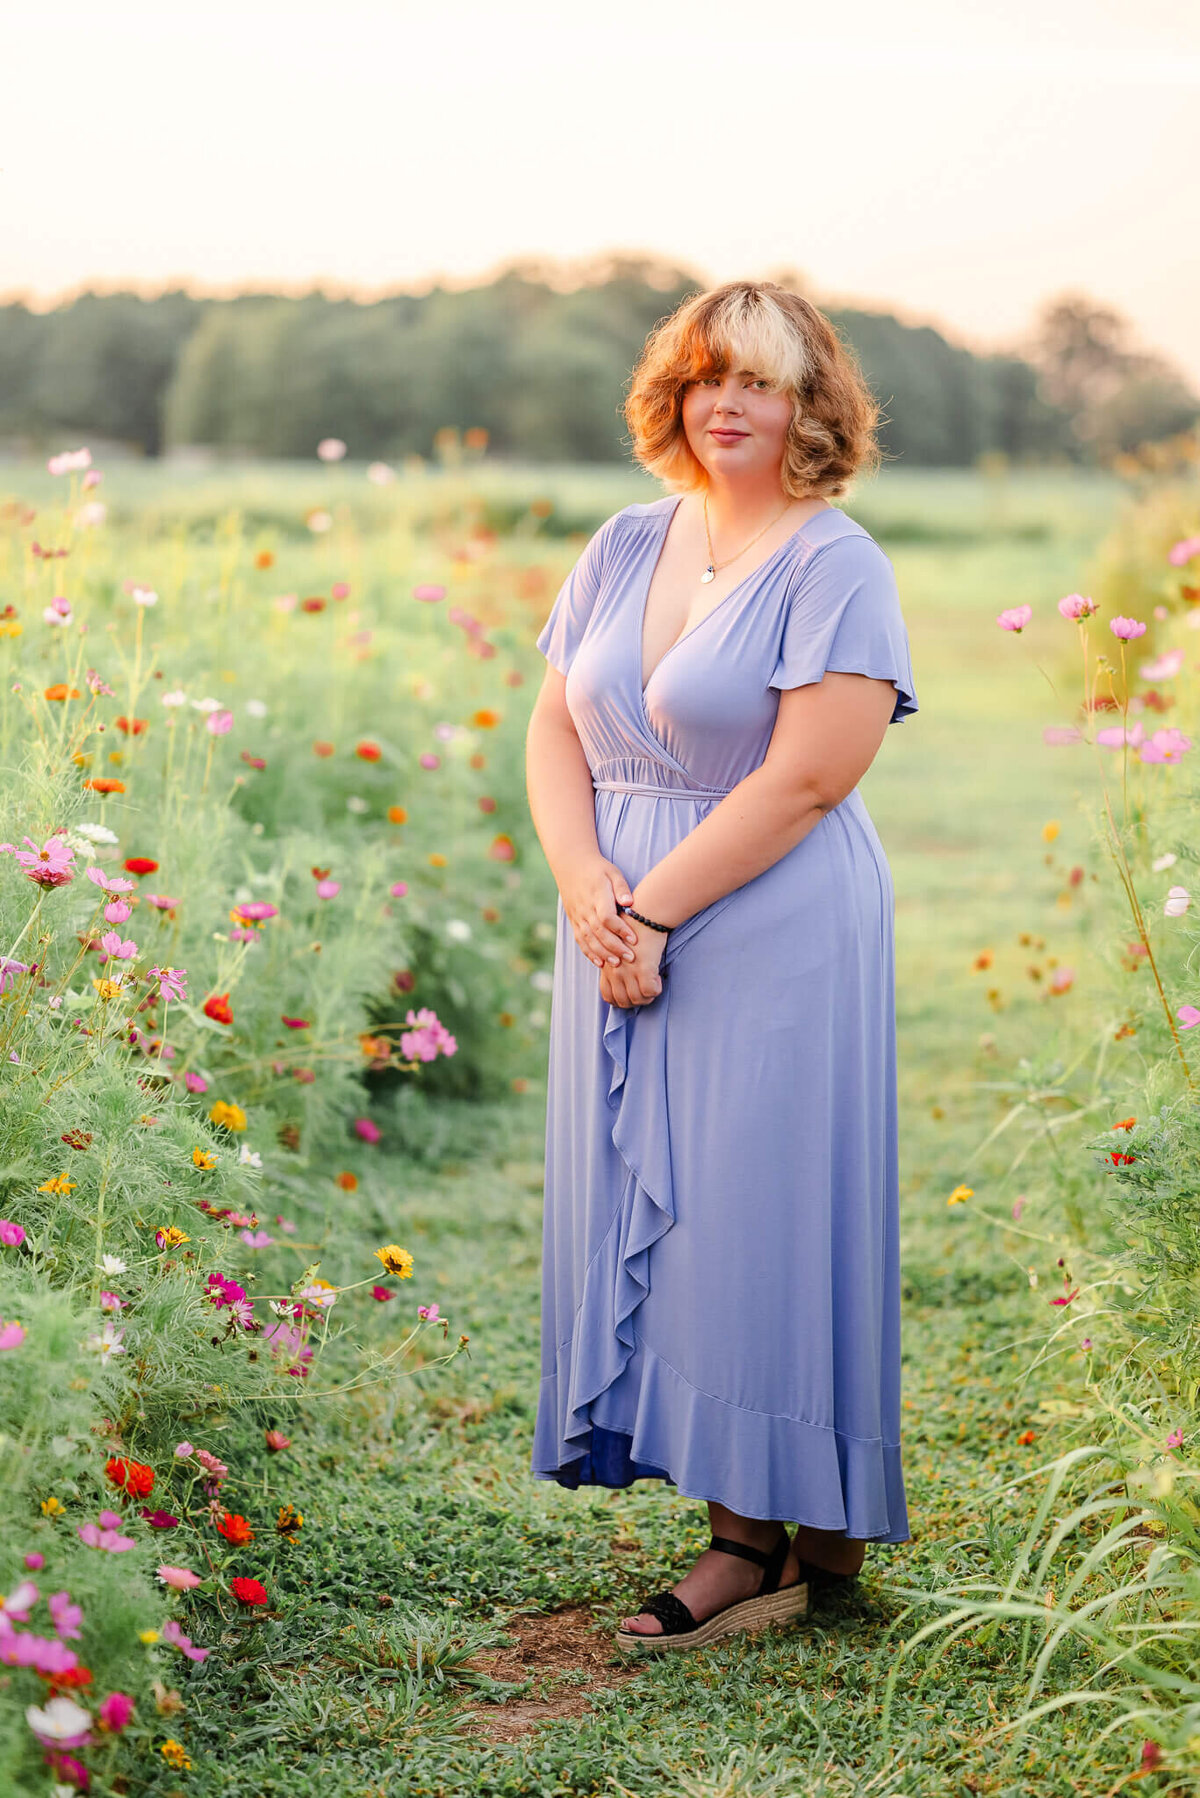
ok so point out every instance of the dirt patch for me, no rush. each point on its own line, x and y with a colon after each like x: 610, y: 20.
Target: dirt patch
x: 549, y: 1648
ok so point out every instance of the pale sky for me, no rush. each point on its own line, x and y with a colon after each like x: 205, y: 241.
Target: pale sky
x: 956, y: 161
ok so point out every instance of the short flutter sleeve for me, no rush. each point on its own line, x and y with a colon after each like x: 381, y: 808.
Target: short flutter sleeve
x: 845, y: 618
x: 560, y: 636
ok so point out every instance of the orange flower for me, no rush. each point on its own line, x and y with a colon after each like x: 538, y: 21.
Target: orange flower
x: 131, y: 726
x: 321, y: 748
x: 216, y: 1007
x: 1125, y: 1124
x: 104, y: 783
x: 312, y: 605
x: 347, y: 1181
x: 1026, y: 1437
x: 397, y: 814
x: 132, y: 1477
x: 368, y: 752
x: 503, y: 849
x: 60, y: 690
x: 235, y: 1529
x: 485, y: 719
x: 264, y: 559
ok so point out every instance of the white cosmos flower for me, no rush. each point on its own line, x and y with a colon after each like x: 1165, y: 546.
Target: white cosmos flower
x: 248, y: 1157
x: 111, y: 1264
x: 1164, y: 861
x: 206, y: 705
x: 176, y: 696
x: 95, y: 833
x: 458, y: 929
x: 256, y: 708
x: 1177, y: 901
x: 59, y: 1720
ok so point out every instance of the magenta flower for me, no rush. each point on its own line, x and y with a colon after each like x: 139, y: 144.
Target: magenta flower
x: 398, y: 889
x: 367, y: 1130
x: 195, y: 1083
x: 111, y: 1301
x: 1127, y: 628
x: 49, y: 866
x: 115, y: 1713
x: 159, y: 1520
x: 1175, y: 1439
x: 11, y: 1235
x: 111, y: 883
x: 220, y: 723
x: 180, y: 1579
x: 12, y: 1335
x: 429, y: 1038
x: 9, y: 971
x: 34, y: 1561
x: 115, y: 949
x: 65, y: 1616
x: 257, y: 910
x: 44, y: 1653
x: 328, y: 889
x: 1015, y: 618
x: 429, y: 1313
x: 1077, y: 605
x: 172, y: 1633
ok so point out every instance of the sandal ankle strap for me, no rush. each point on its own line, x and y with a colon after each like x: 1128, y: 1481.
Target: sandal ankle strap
x: 771, y: 1560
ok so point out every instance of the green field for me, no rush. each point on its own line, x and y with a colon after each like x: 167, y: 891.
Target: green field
x: 442, y: 1625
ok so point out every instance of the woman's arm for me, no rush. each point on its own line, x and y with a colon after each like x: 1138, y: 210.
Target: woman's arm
x: 826, y: 736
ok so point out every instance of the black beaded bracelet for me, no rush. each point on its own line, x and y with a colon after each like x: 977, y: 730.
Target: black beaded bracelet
x: 650, y: 921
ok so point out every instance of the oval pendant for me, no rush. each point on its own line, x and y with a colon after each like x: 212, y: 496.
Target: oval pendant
x: 710, y: 574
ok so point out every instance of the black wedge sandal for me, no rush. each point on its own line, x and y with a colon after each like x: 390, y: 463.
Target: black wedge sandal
x: 770, y: 1604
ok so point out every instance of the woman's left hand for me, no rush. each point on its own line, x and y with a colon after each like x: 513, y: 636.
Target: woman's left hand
x: 635, y: 982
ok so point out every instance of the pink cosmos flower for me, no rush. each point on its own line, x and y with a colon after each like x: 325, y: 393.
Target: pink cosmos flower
x: 110, y: 1301
x: 428, y: 1039
x: 367, y: 1130
x: 58, y: 611
x: 1163, y: 667
x: 67, y: 461
x: 44, y: 1653
x: 328, y: 889
x: 398, y: 889
x: 111, y: 883
x: 1188, y: 1016
x: 115, y: 1713
x: 257, y: 910
x: 216, y: 1468
x: 1115, y: 736
x: 171, y: 982
x: 220, y: 722
x: 115, y: 949
x: 161, y: 902
x: 430, y: 1313
x: 429, y: 591
x: 8, y: 973
x: 1127, y: 628
x: 1077, y: 605
x: 20, y: 1601
x: 340, y: 589
x: 34, y: 1561
x: 49, y: 866
x: 1175, y: 1439
x: 183, y: 1450
x: 1166, y: 745
x: 65, y: 1616
x: 11, y: 1235
x: 195, y: 1083
x: 12, y: 1335
x: 331, y: 449
x: 1015, y: 618
x: 180, y: 1579
x: 109, y: 1539
x: 117, y: 911
x: 256, y: 1239
x: 1182, y: 552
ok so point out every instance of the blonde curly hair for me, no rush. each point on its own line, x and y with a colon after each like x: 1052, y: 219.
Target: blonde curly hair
x: 765, y: 329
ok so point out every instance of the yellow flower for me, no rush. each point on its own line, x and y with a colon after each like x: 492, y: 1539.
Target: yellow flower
x: 175, y: 1754
x: 169, y: 1236
x: 52, y: 1508
x: 232, y: 1116
x: 57, y: 1183
x: 148, y: 1636
x: 288, y: 1521
x: 398, y: 1261
x: 1049, y: 831
x: 960, y: 1195
x: 203, y: 1158
x: 108, y: 989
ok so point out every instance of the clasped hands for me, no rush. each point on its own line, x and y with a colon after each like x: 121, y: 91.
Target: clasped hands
x: 626, y: 953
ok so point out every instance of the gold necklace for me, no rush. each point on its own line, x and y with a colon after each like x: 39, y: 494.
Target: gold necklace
x: 710, y: 573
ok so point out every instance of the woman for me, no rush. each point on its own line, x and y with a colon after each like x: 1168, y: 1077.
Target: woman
x: 720, y: 1285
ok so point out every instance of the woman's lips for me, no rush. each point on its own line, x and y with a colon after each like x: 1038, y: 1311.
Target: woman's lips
x: 730, y: 436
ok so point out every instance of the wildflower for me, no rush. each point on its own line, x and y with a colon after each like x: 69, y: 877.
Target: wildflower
x: 65, y: 1616
x: 366, y: 1130
x: 429, y: 1313
x: 1026, y: 1437
x: 296, y: 1023
x: 1067, y: 1299
x: 1077, y: 606
x: 51, y: 1507
x: 960, y: 1195
x: 256, y: 1239
x: 248, y: 1157
x: 322, y: 748
x: 61, y: 1723
x: 169, y: 1236
x: 1188, y: 1016
x: 1176, y: 903
x: 223, y: 1292
x: 276, y: 1441
x: 107, y: 1343
x: 1015, y: 618
x: 159, y: 1520
x: 230, y: 1116
x: 1126, y: 628
x: 109, y: 989
x: 219, y: 723
x: 382, y: 1293
x: 235, y: 1528
x: 331, y: 449
x: 49, y: 866
x: 35, y: 1562
x: 328, y: 889
x: 180, y: 1579
x: 1175, y: 1439
x: 429, y: 1037
x: 175, y: 1755
x: 347, y: 1181
x: 114, y: 1713
x: 161, y: 902
x: 173, y: 1634
x: 110, y: 1539
x: 288, y: 1521
x: 321, y: 1293
x: 132, y: 1477
x: 104, y: 783
x: 21, y: 1599
x: 204, y: 1159
x: 11, y: 1235
x: 110, y: 1264
x: 58, y: 611
x: 248, y: 1591
x: 12, y: 1335
x: 216, y: 1007
x: 368, y: 751
x: 195, y: 1083
x: 59, y: 690
x: 70, y: 461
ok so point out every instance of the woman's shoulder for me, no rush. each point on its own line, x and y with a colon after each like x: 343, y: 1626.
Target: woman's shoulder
x: 856, y: 545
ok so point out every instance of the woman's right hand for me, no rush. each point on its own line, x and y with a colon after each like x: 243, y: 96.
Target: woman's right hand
x: 589, y: 896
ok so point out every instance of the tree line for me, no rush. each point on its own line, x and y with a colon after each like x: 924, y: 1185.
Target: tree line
x: 541, y: 369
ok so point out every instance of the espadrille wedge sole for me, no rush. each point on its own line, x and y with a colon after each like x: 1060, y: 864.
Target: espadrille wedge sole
x: 770, y: 1605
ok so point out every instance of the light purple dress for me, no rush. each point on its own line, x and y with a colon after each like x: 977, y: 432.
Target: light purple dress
x: 720, y: 1279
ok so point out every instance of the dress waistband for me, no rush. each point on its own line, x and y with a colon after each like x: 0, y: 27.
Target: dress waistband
x: 655, y: 791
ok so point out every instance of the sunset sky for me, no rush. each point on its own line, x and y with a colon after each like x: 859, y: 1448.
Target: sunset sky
x: 957, y: 161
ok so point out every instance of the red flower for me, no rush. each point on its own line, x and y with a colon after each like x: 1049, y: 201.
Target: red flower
x: 235, y: 1529
x: 216, y: 1007
x: 76, y: 1676
x: 133, y: 1477
x: 312, y: 605
x: 140, y: 864
x: 131, y: 726
x: 1119, y: 1160
x: 295, y: 1023
x: 368, y: 752
x: 1025, y: 1438
x: 276, y: 1441
x: 248, y: 1591
x: 382, y: 1293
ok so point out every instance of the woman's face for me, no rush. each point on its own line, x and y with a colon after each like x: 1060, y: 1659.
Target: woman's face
x: 742, y: 405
